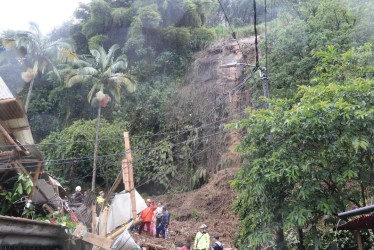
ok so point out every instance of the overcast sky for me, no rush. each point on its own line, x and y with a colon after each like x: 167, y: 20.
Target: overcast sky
x: 16, y: 14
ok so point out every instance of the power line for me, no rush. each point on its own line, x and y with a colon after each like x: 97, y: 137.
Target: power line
x: 85, y: 158
x: 117, y: 138
x: 255, y: 28
x: 233, y: 33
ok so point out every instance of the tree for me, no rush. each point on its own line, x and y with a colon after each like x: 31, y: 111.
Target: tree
x: 106, y: 71
x: 38, y: 51
x: 318, y: 159
x: 71, y: 162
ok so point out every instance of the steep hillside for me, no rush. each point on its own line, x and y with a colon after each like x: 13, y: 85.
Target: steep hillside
x: 207, y: 99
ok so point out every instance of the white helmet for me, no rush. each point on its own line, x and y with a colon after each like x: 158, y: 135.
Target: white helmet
x: 78, y: 189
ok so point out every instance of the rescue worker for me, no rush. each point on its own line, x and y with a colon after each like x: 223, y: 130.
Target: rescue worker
x: 146, y: 216
x: 164, y: 223
x: 202, y: 239
x: 77, y: 196
x: 217, y: 245
x: 100, y: 199
x: 159, y: 214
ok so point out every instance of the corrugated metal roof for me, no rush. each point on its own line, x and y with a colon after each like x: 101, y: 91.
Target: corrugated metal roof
x: 11, y: 109
x: 359, y: 223
x: 4, y: 91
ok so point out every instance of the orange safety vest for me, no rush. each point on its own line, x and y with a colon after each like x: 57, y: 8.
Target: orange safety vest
x: 147, y: 213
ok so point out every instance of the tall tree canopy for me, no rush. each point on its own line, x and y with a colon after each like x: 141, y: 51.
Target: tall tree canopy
x: 311, y: 155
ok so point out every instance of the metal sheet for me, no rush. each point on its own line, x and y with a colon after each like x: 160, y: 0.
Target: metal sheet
x: 4, y: 91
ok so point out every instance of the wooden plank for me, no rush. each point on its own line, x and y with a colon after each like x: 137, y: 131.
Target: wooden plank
x: 24, y: 170
x: 14, y: 130
x: 7, y: 153
x: 94, y: 217
x: 9, y: 139
x: 118, y: 232
x: 105, y: 216
x: 131, y: 174
x: 35, y: 180
x: 125, y: 175
x: 98, y: 240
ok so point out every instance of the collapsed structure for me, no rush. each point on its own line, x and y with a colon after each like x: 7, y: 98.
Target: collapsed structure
x: 19, y: 155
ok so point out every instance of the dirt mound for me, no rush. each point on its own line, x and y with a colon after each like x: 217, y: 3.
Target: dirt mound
x: 210, y: 205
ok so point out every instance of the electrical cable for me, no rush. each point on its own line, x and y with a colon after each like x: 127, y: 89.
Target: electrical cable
x: 255, y: 28
x: 232, y: 30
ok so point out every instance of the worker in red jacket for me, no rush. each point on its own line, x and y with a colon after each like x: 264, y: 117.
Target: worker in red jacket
x: 146, y: 216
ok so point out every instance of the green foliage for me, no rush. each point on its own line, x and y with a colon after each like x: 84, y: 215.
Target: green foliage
x: 301, y: 153
x: 22, y: 187
x: 198, y: 216
x: 100, y: 19
x: 177, y: 38
x: 155, y: 164
x: 77, y: 172
x: 134, y: 46
x: 97, y: 41
x: 122, y: 16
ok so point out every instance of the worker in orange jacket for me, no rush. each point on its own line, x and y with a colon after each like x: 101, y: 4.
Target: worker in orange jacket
x: 146, y: 216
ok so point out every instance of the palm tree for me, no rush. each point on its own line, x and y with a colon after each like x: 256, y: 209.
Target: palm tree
x: 41, y: 52
x: 104, y: 71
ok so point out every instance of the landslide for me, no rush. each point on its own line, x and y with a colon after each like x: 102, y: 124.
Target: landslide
x: 210, y: 205
x: 204, y: 99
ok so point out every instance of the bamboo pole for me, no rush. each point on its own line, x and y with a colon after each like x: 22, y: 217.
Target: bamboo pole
x: 125, y: 175
x: 9, y: 139
x: 131, y: 174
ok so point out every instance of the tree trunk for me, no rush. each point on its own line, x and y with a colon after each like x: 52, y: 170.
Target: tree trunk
x: 29, y: 94
x: 301, y: 239
x: 280, y: 242
x: 315, y: 238
x: 96, y: 148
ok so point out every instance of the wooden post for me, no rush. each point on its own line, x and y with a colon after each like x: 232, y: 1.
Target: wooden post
x: 131, y: 174
x: 35, y: 180
x: 359, y: 240
x: 105, y: 216
x: 93, y: 207
x: 125, y: 175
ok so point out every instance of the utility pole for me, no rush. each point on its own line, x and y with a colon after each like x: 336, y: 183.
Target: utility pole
x: 265, y: 85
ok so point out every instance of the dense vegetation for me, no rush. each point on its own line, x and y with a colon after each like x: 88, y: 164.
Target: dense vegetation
x: 154, y: 41
x: 309, y: 156
x: 306, y: 158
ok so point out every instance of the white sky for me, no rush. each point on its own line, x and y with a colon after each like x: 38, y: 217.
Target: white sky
x: 16, y: 14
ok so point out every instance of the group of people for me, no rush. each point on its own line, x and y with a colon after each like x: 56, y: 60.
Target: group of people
x: 155, y: 217
x: 78, y: 197
x: 202, y: 241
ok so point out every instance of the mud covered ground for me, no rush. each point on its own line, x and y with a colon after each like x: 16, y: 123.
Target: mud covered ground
x: 210, y: 205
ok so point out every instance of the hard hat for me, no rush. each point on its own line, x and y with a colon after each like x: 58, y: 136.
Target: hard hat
x: 78, y: 189
x: 148, y: 200
x: 101, y: 192
x: 203, y: 226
